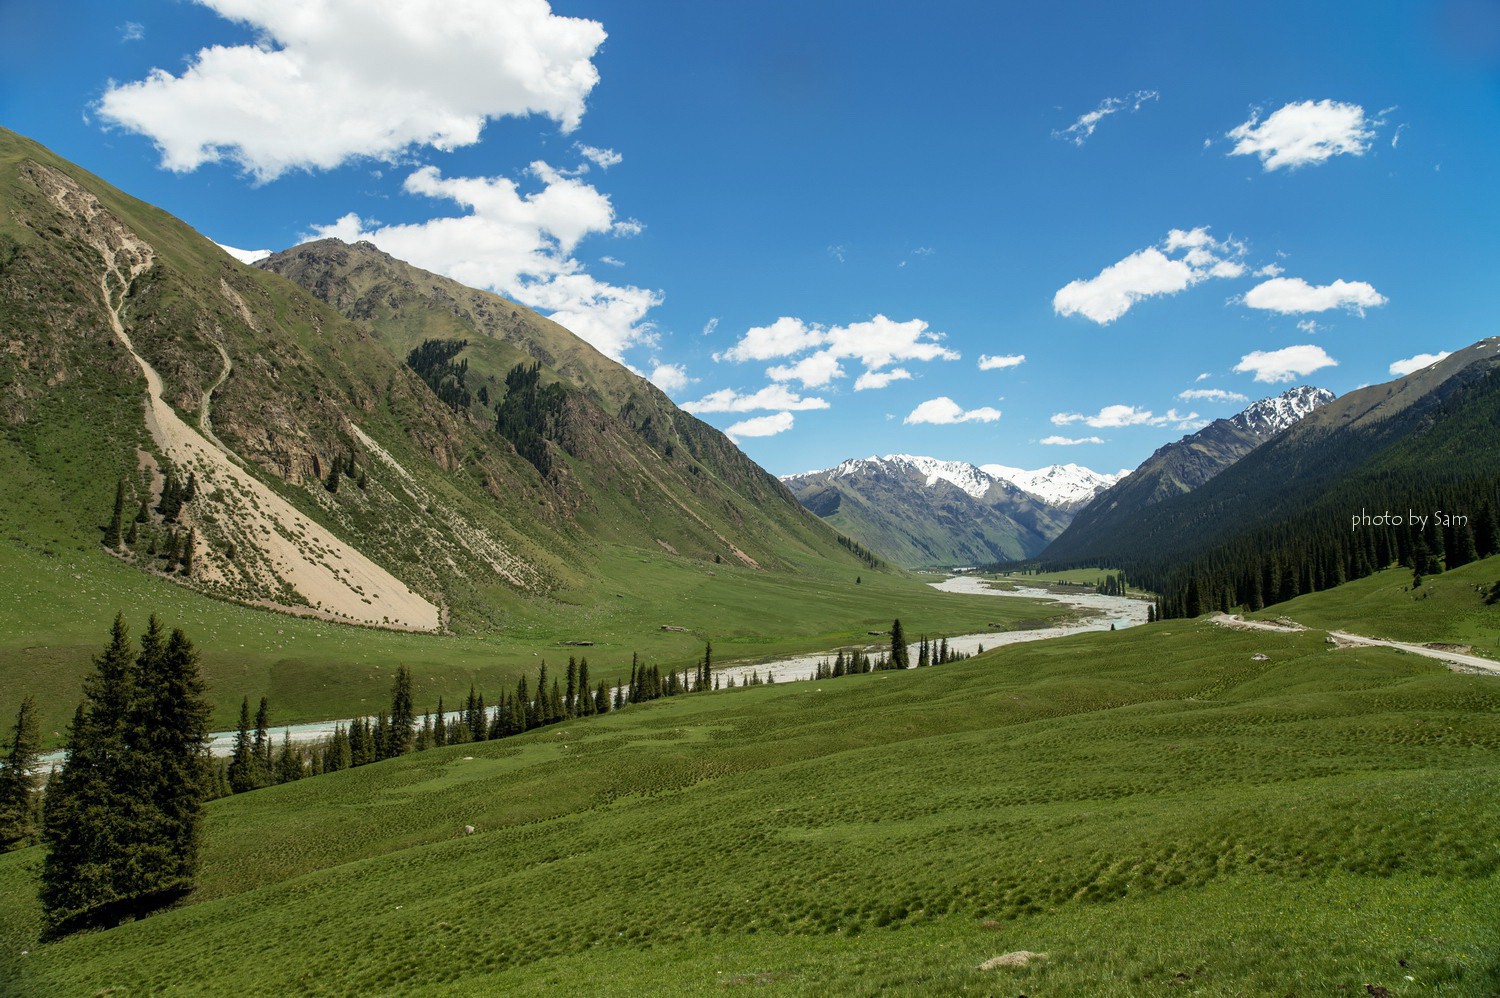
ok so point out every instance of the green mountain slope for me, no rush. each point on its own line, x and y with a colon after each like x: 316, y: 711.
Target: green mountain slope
x: 632, y: 466
x: 1281, y: 521
x: 333, y: 483
x: 1126, y: 803
x: 1180, y: 467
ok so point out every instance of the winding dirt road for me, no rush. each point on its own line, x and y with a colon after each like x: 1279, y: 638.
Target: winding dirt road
x: 1458, y: 661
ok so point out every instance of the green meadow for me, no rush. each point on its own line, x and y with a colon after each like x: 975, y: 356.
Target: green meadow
x: 1174, y: 808
x: 57, y: 601
x: 1449, y: 608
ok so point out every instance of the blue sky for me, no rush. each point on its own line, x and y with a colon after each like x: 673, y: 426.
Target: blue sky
x: 810, y: 222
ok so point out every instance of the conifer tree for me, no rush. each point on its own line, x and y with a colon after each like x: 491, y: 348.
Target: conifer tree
x: 113, y: 535
x: 337, y: 755
x: 242, y: 762
x: 168, y: 761
x: 601, y: 699
x: 188, y: 545
x: 585, y: 691
x: 556, y: 707
x: 440, y: 727
x: 18, y: 798
x: 143, y: 514
x: 899, y: 655
x: 403, y: 714
x: 543, y: 707
x: 382, y: 736
x: 261, y: 747
x: 570, y: 698
x: 424, y: 733
x: 85, y: 821
x: 288, y: 760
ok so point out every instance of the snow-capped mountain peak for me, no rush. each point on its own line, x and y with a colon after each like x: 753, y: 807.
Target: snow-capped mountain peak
x: 1058, y: 484
x: 1270, y: 416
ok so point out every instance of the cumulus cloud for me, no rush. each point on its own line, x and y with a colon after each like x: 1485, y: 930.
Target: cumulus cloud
x: 783, y: 338
x: 1211, y: 395
x: 1056, y: 441
x: 1185, y: 258
x: 1293, y: 295
x: 875, y: 344
x: 988, y: 363
x: 879, y: 379
x: 1112, y: 416
x: 520, y: 245
x: 1402, y: 368
x: 602, y: 158
x: 1285, y: 364
x: 761, y: 426
x: 1309, y: 132
x: 774, y: 397
x: 943, y: 410
x: 1079, y: 131
x: 332, y: 80
x: 669, y: 378
x: 244, y: 256
x: 814, y: 370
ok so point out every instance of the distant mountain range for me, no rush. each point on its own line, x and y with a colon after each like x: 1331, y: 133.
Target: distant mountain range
x: 1284, y: 518
x: 922, y: 512
x: 1182, y: 466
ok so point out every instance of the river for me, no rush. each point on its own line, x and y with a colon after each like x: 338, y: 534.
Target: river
x: 1095, y: 613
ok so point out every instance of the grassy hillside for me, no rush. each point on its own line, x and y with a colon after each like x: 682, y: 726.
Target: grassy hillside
x: 1450, y: 608
x: 1154, y: 809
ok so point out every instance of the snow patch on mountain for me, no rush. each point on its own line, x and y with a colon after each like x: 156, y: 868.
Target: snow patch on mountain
x: 1057, y: 484
x: 1270, y: 416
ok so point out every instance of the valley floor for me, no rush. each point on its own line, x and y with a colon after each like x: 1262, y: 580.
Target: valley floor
x: 1176, y: 807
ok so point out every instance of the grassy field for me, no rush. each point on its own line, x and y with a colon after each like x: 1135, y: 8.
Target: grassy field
x: 1155, y: 809
x: 57, y: 601
x: 1446, y: 608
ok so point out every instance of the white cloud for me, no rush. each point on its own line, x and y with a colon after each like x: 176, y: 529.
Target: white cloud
x: 628, y: 227
x: 1401, y: 368
x: 814, y: 370
x: 332, y: 80
x: 1056, y: 441
x: 1309, y: 326
x: 761, y: 426
x: 602, y: 158
x: 710, y: 325
x: 520, y: 245
x: 1079, y: 131
x: 783, y: 338
x: 1211, y: 395
x: 1112, y: 416
x: 1149, y: 272
x: 879, y: 379
x: 988, y: 363
x: 132, y: 31
x: 838, y: 252
x: 244, y: 256
x: 669, y: 377
x: 1292, y: 295
x: 944, y: 410
x: 1203, y: 377
x: 876, y: 344
x: 1284, y: 364
x: 1270, y: 270
x: 774, y: 397
x: 612, y: 261
x: 1309, y: 132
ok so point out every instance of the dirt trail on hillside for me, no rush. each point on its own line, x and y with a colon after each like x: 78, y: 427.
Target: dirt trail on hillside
x: 336, y: 580
x: 1455, y: 660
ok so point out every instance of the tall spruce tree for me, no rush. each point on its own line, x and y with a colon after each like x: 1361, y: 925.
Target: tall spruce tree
x: 113, y: 534
x: 261, y: 747
x: 18, y: 781
x: 86, y: 824
x: 242, y: 760
x: 900, y: 658
x: 168, y: 761
x: 403, y: 714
